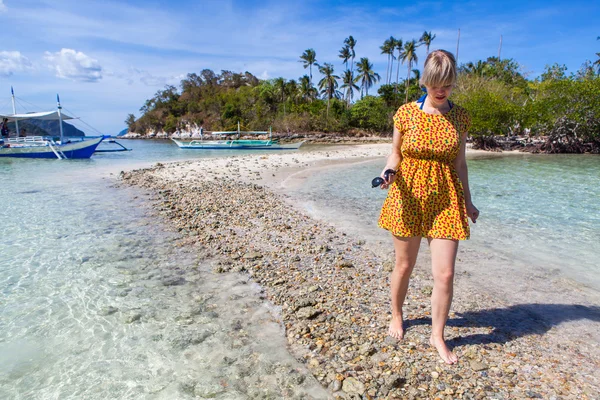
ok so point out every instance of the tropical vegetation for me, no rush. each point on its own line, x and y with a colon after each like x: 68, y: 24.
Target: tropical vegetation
x: 558, y: 110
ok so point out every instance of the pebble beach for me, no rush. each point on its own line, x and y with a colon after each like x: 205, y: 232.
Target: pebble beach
x: 329, y: 289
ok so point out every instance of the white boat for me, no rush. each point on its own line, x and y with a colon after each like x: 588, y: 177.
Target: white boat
x: 236, y: 144
x: 42, y: 146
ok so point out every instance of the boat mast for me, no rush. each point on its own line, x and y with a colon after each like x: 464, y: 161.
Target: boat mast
x: 59, y: 119
x: 238, y: 130
x: 14, y: 110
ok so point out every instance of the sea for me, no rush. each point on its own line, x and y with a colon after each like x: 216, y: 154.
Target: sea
x: 75, y: 321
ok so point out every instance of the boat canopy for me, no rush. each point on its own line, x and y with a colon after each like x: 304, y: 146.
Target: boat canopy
x: 44, y: 115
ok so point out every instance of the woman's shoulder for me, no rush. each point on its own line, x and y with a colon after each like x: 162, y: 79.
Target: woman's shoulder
x: 407, y: 109
x: 461, y: 112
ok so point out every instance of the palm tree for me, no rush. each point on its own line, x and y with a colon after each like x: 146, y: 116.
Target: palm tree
x: 280, y: 87
x: 400, y: 49
x: 307, y: 90
x: 345, y: 55
x: 328, y: 84
x: 349, y: 85
x: 426, y: 39
x: 389, y: 46
x: 309, y: 58
x: 366, y: 75
x: 416, y: 76
x: 409, y: 55
x: 481, y: 68
x: 351, y: 43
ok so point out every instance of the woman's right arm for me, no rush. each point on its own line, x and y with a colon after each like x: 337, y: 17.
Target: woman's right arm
x: 394, y: 159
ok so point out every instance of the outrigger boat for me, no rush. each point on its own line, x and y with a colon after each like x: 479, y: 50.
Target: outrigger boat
x: 43, y: 146
x: 236, y: 144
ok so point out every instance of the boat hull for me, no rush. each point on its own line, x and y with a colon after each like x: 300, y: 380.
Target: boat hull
x: 75, y: 150
x: 236, y: 145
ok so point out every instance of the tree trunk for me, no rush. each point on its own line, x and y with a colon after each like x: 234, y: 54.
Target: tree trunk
x: 387, y: 70
x: 408, y: 80
x: 397, y: 73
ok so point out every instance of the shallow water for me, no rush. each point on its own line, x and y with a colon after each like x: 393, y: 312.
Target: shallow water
x: 97, y: 302
x: 537, y: 210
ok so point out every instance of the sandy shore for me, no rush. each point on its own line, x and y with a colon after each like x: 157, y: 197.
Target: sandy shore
x: 332, y: 289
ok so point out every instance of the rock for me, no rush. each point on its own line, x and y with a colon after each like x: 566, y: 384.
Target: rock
x: 344, y: 264
x: 208, y: 390
x: 394, y: 381
x: 132, y: 317
x: 427, y: 290
x: 478, y: 366
x: 107, y: 310
x: 304, y: 302
x: 388, y: 266
x: 253, y: 255
x: 533, y: 395
x: 307, y: 313
x: 187, y: 339
x: 353, y: 386
x: 172, y: 281
x: 366, y: 349
x: 336, y: 385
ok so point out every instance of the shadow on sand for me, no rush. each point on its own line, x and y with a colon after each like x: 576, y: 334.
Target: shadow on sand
x: 515, y: 321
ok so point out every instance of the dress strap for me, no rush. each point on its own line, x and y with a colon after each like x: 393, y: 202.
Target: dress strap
x: 422, y: 100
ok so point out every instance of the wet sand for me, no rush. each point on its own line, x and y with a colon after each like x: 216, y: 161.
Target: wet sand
x: 330, y: 281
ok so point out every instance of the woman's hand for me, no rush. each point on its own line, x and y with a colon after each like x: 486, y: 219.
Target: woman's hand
x: 472, y: 212
x: 391, y: 178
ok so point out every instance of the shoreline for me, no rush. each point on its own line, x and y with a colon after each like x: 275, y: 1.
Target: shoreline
x: 332, y: 289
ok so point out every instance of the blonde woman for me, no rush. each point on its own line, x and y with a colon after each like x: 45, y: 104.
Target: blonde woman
x: 429, y: 193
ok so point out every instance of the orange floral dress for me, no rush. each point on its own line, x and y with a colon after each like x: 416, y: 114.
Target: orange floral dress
x: 427, y: 198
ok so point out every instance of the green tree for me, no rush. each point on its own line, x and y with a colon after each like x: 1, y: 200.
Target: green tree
x: 371, y: 114
x: 307, y: 90
x: 400, y: 48
x: 388, y: 47
x: 349, y: 85
x: 308, y: 59
x: 366, y: 75
x: 130, y: 122
x: 351, y: 43
x: 409, y: 56
x: 328, y: 84
x: 345, y: 55
x: 426, y: 39
x: 554, y: 72
x: 280, y: 85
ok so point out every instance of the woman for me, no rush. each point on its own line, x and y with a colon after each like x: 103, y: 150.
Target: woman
x: 429, y: 193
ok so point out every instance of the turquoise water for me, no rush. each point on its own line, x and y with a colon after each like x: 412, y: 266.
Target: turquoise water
x: 540, y: 210
x: 85, y: 312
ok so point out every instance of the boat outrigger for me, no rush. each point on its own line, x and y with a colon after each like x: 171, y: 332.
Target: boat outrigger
x: 43, y: 146
x: 236, y: 144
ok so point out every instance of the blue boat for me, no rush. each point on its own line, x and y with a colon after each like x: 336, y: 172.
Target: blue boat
x: 42, y: 146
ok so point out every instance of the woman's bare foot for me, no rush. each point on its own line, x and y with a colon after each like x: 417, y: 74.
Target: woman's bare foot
x: 396, y: 328
x: 443, y: 350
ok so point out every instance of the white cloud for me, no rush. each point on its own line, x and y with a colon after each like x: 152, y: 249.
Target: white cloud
x: 75, y: 65
x: 2, y: 6
x: 13, y: 61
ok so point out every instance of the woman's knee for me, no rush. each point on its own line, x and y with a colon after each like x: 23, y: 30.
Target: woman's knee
x: 444, y: 276
x: 404, y: 266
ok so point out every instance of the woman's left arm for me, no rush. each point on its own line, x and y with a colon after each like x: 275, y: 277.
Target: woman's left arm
x: 463, y: 174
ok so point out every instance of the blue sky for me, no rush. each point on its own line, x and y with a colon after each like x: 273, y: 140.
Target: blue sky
x: 105, y: 58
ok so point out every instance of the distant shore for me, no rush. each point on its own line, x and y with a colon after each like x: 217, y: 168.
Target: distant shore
x: 333, y: 289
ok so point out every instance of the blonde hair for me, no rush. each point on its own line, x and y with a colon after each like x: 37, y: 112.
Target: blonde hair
x: 439, y: 70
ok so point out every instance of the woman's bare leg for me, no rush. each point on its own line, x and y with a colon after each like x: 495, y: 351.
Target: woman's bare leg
x: 406, y: 250
x: 443, y: 258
